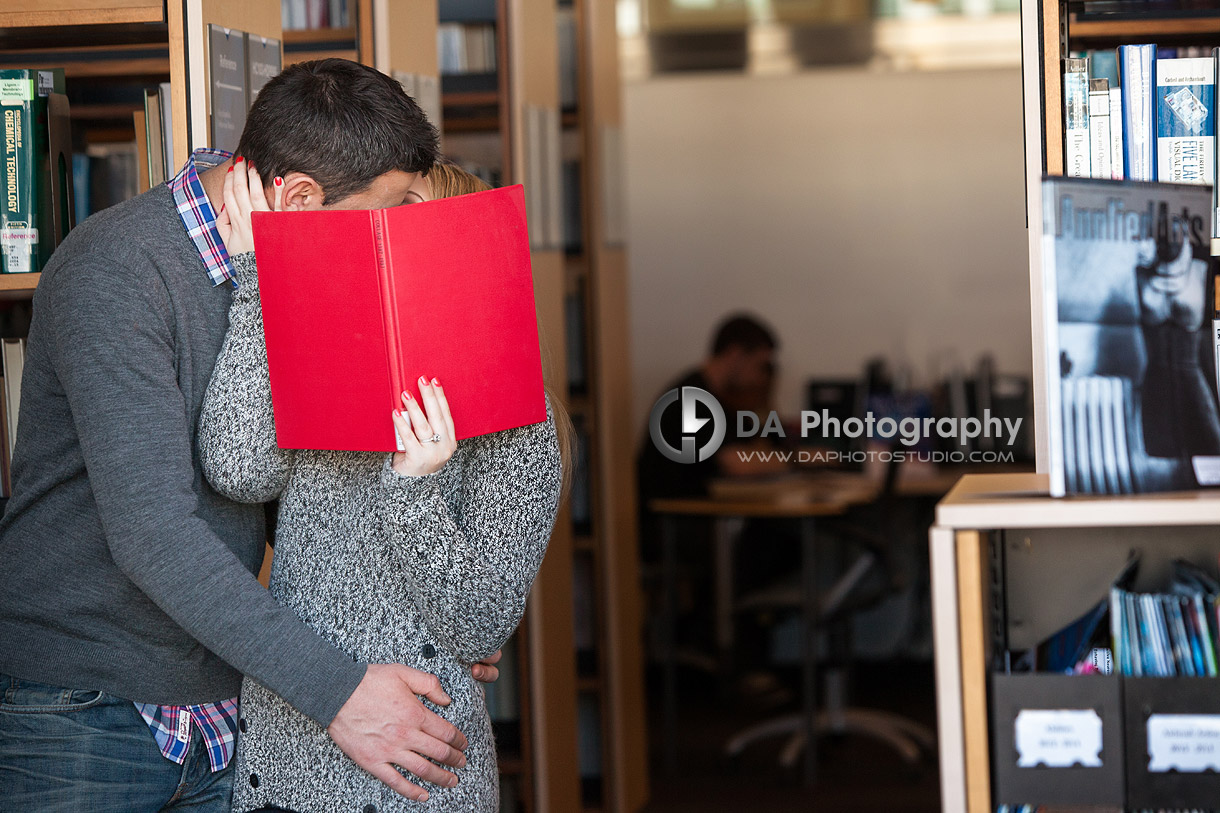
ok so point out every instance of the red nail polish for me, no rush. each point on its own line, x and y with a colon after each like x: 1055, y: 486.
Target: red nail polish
x: 406, y: 395
x: 222, y: 208
x: 240, y: 159
x: 435, y: 383
x: 423, y: 380
x: 279, y: 181
x: 230, y: 169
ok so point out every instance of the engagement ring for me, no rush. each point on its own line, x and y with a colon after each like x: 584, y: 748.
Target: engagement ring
x: 434, y: 439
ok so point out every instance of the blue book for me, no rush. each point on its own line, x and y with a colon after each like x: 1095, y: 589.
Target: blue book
x: 1186, y: 120
x: 1135, y: 67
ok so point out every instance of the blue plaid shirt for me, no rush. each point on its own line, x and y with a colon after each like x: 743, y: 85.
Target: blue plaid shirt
x: 217, y: 722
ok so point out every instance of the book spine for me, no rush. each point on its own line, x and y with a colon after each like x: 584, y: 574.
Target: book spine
x: 1099, y: 128
x: 24, y: 151
x: 389, y: 313
x: 1139, y: 123
x: 1186, y: 120
x: 1076, y: 117
x: 1117, y: 169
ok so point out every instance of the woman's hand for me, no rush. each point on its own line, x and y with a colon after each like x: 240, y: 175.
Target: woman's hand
x: 426, y: 433
x: 243, y: 194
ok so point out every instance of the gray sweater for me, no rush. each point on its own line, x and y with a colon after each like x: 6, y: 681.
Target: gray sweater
x: 123, y: 569
x: 430, y: 571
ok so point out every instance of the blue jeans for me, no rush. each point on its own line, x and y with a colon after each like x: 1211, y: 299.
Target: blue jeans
x: 85, y: 751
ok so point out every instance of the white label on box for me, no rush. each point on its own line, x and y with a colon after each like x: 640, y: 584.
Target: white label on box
x: 1189, y: 743
x: 1207, y: 469
x: 1058, y: 738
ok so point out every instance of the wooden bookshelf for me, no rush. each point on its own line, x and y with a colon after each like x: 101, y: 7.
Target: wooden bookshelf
x: 1086, y: 31
x: 23, y: 13
x: 983, y: 513
x: 18, y: 286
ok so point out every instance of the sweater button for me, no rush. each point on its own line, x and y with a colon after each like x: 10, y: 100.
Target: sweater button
x: 370, y: 809
x: 254, y: 780
x: 241, y: 725
x: 428, y: 651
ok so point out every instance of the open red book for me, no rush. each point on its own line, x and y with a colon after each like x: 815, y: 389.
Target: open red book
x: 357, y: 305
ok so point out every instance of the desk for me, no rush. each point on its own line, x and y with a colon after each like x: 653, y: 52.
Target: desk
x: 806, y: 512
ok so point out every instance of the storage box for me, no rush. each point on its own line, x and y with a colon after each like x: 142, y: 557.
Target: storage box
x: 1057, y: 739
x: 1173, y: 742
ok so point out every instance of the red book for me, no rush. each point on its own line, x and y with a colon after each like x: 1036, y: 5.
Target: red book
x: 357, y: 305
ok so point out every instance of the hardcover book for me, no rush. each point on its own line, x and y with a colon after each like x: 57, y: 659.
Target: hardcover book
x: 30, y: 220
x: 1131, y: 389
x: 1135, y: 65
x: 1076, y: 118
x: 1186, y: 120
x: 358, y: 304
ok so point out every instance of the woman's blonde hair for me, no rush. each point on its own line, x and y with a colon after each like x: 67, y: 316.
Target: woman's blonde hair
x: 447, y: 180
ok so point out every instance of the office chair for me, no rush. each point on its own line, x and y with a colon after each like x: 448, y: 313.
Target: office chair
x: 867, y: 581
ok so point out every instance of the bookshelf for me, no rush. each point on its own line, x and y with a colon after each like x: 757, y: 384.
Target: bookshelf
x: 1010, y: 563
x: 987, y: 519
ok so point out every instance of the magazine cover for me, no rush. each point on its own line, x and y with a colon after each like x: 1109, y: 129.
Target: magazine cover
x: 1128, y: 279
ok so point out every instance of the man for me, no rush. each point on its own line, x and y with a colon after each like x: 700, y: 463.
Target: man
x: 739, y: 372
x: 129, y: 609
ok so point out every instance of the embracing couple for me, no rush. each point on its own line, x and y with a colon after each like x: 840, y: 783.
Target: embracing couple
x: 142, y: 665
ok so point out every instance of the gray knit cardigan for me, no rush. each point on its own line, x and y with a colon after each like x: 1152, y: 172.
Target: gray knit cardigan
x: 430, y: 571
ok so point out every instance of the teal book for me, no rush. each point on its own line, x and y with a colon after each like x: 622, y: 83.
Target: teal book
x: 27, y: 216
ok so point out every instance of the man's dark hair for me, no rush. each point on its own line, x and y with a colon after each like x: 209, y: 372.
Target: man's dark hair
x: 339, y: 122
x: 744, y: 332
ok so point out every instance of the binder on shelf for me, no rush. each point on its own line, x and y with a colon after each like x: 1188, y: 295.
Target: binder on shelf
x: 1057, y: 739
x: 229, y: 97
x: 1172, y: 742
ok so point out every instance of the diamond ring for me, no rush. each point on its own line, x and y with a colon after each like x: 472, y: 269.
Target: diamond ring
x: 434, y: 439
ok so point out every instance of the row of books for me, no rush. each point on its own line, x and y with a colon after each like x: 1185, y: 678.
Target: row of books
x: 1142, y: 114
x: 1167, y: 634
x: 466, y: 47
x: 36, y: 210
x: 299, y: 14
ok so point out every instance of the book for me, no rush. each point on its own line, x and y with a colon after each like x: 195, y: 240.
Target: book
x: 1139, y: 113
x: 1128, y: 280
x: 12, y: 355
x: 1117, y: 167
x: 1186, y: 120
x: 358, y: 304
x: 154, y: 137
x: 27, y: 214
x: 165, y: 97
x: 1099, y: 129
x: 1076, y: 118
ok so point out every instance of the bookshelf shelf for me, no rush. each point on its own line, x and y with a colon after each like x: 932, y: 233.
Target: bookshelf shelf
x: 138, y: 60
x: 27, y: 13
x: 1084, y: 31
x: 312, y: 36
x: 18, y: 286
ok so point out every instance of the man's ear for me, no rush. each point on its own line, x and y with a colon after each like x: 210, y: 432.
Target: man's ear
x: 301, y: 193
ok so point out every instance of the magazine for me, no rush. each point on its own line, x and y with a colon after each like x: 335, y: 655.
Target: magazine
x: 1128, y: 283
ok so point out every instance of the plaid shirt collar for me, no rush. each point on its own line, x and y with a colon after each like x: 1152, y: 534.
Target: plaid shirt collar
x: 171, y: 728
x: 197, y: 215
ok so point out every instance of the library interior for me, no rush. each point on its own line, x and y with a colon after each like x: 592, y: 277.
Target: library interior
x: 883, y: 476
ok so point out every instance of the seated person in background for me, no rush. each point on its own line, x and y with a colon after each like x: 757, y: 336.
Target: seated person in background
x: 739, y: 372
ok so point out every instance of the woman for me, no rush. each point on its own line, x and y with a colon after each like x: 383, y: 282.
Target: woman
x: 423, y: 557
